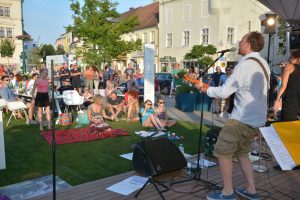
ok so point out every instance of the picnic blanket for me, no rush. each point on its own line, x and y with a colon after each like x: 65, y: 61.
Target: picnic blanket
x: 80, y: 135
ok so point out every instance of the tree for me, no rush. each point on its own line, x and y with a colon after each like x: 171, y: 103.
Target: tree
x: 34, y: 57
x: 47, y: 50
x: 99, y: 26
x: 7, y: 49
x: 60, y: 50
x: 281, y: 33
x: 201, y: 54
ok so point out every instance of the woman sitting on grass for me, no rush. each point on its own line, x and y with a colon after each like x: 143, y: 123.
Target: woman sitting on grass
x: 161, y: 113
x: 149, y: 118
x: 96, y: 114
x: 133, y: 105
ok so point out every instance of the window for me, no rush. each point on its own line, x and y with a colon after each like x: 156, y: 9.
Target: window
x: 205, y: 8
x: 144, y: 39
x: 205, y: 36
x: 7, y: 12
x: 9, y: 32
x: 230, y: 35
x: 187, y: 12
x: 169, y: 40
x: 2, y: 32
x: 169, y: 17
x: 186, y: 38
x: 1, y: 11
x: 152, y: 37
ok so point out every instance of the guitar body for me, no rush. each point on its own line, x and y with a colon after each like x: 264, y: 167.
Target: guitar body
x: 229, y: 103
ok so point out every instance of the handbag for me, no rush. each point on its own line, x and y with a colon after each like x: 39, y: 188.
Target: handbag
x: 65, y: 119
x: 229, y: 102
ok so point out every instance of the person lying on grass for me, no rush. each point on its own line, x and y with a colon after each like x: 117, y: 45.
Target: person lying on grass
x: 149, y: 118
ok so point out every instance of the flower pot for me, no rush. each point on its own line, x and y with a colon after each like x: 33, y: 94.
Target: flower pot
x: 207, y: 102
x: 177, y: 102
x: 187, y: 101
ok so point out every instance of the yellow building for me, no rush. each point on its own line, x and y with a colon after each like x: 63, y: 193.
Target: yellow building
x: 10, y: 27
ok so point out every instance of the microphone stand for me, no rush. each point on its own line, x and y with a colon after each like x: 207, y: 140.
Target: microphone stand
x: 197, y: 172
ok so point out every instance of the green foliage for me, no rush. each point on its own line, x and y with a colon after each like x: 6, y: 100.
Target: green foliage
x: 183, y: 86
x: 34, y: 57
x: 60, y: 50
x: 281, y: 33
x: 201, y: 54
x: 99, y: 26
x: 7, y: 49
x: 47, y: 50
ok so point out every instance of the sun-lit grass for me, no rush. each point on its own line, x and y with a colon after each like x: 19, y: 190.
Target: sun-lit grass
x: 29, y: 156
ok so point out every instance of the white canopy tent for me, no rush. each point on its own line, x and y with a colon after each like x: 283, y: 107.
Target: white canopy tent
x: 287, y: 9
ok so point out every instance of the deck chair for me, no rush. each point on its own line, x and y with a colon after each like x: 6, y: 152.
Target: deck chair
x: 72, y: 98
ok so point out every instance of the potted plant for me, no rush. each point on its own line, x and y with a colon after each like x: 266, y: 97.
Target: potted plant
x: 186, y: 95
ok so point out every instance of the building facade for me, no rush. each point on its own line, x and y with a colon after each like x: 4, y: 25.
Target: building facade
x: 147, y: 31
x: 184, y: 23
x: 10, y: 28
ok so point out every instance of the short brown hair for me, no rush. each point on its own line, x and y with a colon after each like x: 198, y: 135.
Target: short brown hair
x: 256, y: 41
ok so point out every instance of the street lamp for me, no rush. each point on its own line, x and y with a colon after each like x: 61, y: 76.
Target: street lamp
x: 23, y: 55
x: 270, y: 28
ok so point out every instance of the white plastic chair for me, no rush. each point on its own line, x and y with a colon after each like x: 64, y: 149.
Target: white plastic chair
x: 72, y: 98
x: 14, y: 106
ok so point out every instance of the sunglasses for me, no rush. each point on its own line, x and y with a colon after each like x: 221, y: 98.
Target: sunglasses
x: 149, y: 104
x: 161, y: 102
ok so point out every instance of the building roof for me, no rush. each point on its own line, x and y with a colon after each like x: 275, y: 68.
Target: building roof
x: 148, y: 15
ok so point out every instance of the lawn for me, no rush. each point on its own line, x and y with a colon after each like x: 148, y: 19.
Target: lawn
x: 29, y: 156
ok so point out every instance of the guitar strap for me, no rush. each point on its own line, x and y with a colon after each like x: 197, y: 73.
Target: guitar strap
x: 266, y: 75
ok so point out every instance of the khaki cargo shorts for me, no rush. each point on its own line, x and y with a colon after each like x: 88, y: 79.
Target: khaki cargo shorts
x: 235, y: 140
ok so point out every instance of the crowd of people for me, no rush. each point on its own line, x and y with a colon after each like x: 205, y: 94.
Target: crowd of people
x: 112, y: 105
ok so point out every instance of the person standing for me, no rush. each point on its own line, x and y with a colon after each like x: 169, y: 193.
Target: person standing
x: 129, y: 72
x: 175, y: 78
x: 289, y: 92
x: 88, y: 78
x: 75, y: 78
x: 249, y: 83
x: 64, y: 73
x: 96, y: 79
x: 42, y: 97
x: 222, y: 81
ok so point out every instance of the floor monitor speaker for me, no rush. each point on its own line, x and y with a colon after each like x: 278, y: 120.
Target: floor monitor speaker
x: 157, y: 156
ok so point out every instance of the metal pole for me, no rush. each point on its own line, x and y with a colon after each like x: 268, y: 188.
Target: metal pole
x: 53, y: 135
x: 269, y: 45
x: 23, y: 52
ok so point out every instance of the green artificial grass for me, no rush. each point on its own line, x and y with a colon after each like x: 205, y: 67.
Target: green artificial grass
x: 29, y: 156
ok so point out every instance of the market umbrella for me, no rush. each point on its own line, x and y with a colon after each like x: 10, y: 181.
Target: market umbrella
x: 287, y: 9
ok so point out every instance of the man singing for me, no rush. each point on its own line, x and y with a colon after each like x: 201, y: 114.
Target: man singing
x: 249, y: 83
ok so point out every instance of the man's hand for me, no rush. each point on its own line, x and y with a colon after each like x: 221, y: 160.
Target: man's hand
x: 199, y: 85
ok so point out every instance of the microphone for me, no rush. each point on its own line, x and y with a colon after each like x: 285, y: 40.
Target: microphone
x: 233, y: 49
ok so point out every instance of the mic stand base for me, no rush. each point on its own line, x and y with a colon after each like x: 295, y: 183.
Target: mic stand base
x: 260, y: 168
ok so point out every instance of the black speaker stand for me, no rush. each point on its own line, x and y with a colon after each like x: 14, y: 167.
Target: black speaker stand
x: 155, y: 184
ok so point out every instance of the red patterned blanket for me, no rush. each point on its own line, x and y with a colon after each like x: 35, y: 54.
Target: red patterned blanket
x: 80, y: 135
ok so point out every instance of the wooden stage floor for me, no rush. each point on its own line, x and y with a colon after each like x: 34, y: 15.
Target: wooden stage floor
x: 268, y: 184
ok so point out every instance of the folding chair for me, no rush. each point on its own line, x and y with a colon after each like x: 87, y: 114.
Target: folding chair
x: 14, y: 106
x: 72, y: 98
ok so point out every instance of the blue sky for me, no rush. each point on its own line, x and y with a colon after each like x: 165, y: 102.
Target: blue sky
x: 44, y: 20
